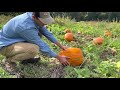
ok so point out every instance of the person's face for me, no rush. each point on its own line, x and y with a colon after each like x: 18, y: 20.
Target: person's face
x: 38, y: 21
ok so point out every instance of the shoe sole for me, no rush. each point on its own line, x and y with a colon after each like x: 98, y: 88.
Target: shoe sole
x: 30, y: 61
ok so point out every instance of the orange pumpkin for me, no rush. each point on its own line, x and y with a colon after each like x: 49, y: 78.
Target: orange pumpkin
x: 75, y: 55
x: 98, y: 40
x: 69, y: 37
x: 107, y: 33
x: 68, y: 31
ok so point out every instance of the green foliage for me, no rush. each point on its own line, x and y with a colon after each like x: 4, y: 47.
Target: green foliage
x: 79, y: 16
x: 4, y: 19
x: 97, y: 67
x: 10, y: 13
x: 99, y: 61
x: 108, y: 69
x: 88, y: 16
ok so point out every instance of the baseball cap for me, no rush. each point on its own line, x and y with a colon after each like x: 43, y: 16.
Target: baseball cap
x: 45, y: 17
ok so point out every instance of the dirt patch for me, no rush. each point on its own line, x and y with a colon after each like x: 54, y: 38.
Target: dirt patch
x: 88, y: 38
x: 57, y: 72
x: 108, y: 52
x: 50, y: 69
x: 82, y: 39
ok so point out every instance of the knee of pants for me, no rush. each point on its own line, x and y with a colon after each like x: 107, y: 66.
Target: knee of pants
x: 33, y: 50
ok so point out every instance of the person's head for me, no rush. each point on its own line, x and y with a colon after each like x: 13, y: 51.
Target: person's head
x: 43, y: 17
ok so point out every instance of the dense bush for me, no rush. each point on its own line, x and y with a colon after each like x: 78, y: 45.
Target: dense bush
x: 80, y: 16
x: 87, y: 16
x: 10, y: 13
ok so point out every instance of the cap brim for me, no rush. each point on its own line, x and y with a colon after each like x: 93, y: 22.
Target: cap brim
x: 47, y: 20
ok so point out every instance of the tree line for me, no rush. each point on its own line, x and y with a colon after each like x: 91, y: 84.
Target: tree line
x: 88, y: 16
x: 80, y: 16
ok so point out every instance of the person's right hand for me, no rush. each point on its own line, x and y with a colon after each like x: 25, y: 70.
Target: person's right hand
x: 63, y: 60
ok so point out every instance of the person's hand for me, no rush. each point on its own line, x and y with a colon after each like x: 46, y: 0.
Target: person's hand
x: 65, y: 47
x: 63, y: 60
x: 61, y: 46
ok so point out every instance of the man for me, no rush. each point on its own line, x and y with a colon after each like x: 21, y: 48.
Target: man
x: 20, y: 40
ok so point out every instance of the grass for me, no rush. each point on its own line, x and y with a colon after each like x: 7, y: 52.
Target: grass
x: 4, y: 19
x: 99, y: 61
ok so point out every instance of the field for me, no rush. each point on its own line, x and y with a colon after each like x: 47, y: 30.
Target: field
x: 99, y: 61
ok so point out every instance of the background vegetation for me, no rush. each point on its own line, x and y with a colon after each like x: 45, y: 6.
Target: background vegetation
x: 98, y: 62
x: 81, y: 16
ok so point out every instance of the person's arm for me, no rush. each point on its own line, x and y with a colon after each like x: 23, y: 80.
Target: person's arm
x: 31, y: 35
x: 61, y: 46
x: 51, y: 37
x: 44, y: 31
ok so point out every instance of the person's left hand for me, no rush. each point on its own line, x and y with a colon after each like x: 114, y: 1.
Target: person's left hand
x: 65, y: 47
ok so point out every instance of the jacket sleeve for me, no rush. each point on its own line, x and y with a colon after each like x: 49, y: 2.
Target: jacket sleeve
x: 31, y: 35
x: 44, y: 31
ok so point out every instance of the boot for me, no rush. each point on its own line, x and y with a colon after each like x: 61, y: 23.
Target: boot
x: 31, y: 61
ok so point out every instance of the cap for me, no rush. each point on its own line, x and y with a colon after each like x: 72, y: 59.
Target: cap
x: 45, y: 17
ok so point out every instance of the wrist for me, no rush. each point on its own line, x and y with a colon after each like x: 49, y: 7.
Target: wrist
x: 57, y: 56
x: 62, y: 47
x: 58, y: 44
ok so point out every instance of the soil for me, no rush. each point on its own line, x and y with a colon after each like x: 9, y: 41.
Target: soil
x: 57, y: 71
x: 106, y: 53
